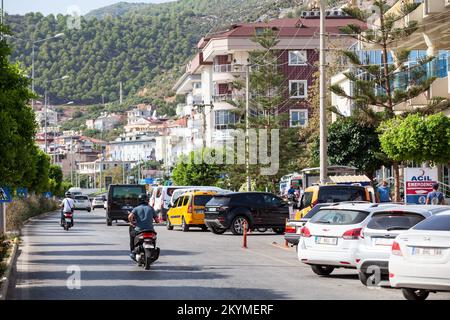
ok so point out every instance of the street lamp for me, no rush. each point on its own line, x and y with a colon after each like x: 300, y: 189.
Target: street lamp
x: 33, y: 44
x: 46, y: 105
x: 322, y: 70
x: 54, y: 140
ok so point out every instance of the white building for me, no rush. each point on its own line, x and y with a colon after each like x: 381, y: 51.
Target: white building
x: 141, y: 111
x: 132, y: 148
x: 52, y: 117
x: 105, y: 122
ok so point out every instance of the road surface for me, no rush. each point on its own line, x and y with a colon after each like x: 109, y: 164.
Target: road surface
x: 193, y: 265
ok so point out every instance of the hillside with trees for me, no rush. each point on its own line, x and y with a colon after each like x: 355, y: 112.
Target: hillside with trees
x: 143, y: 46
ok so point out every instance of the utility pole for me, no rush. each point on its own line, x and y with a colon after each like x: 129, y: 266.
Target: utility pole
x: 45, y: 118
x: 121, y: 96
x: 323, y: 114
x: 247, y: 126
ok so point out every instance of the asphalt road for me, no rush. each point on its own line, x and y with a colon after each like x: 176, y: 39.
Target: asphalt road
x: 193, y: 265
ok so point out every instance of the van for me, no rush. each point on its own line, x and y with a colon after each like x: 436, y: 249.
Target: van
x: 332, y: 194
x: 189, y: 210
x: 121, y: 200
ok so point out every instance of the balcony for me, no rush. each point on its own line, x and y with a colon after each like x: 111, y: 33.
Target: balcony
x: 224, y: 97
x: 224, y: 73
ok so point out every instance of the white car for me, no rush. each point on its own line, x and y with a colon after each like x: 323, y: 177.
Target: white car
x: 420, y: 258
x: 97, y: 202
x: 82, y: 203
x: 331, y: 237
x: 378, y: 236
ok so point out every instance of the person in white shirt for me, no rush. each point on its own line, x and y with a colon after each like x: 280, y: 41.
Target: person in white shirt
x: 67, y: 205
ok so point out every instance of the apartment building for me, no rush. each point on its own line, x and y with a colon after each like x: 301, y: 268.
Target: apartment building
x: 223, y: 57
x: 104, y: 122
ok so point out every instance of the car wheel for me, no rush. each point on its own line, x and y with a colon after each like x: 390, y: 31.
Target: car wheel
x: 204, y: 228
x: 415, y: 294
x: 89, y: 210
x: 322, y: 270
x: 108, y: 222
x: 237, y: 226
x: 278, y: 230
x: 184, y: 226
x: 169, y: 226
x: 217, y: 230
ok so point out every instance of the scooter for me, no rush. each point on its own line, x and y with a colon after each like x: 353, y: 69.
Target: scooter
x: 145, y: 249
x: 67, y: 222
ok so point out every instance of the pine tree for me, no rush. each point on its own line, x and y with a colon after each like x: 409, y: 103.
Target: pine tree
x: 385, y: 85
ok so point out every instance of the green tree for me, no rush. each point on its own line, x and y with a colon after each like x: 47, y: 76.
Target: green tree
x: 387, y: 84
x: 417, y: 138
x: 40, y: 181
x: 17, y: 121
x: 195, y: 169
x: 362, y: 147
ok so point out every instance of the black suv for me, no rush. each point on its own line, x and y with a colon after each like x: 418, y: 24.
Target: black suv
x: 121, y: 200
x: 257, y: 209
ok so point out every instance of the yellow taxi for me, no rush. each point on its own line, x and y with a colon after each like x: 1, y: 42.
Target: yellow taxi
x: 189, y: 210
x: 332, y: 194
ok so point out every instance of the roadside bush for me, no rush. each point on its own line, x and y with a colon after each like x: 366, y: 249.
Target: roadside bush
x: 20, y: 210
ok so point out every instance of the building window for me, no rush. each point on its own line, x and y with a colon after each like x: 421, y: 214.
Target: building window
x: 298, y: 88
x: 298, y: 57
x: 224, y: 118
x: 298, y: 118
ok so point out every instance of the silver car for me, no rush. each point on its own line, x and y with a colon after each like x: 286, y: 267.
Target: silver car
x: 377, y: 237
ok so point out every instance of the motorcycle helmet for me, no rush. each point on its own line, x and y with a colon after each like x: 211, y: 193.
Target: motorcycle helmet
x: 68, y: 194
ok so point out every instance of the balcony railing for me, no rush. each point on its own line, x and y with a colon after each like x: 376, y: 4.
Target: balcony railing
x: 228, y: 68
x: 223, y: 97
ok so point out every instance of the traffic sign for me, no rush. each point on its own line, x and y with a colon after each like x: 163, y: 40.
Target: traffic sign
x: 5, y: 195
x: 418, y: 183
x: 48, y: 194
x: 22, y: 192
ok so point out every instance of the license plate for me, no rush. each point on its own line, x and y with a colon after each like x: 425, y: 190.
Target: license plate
x: 327, y: 241
x: 148, y: 246
x: 298, y: 230
x: 429, y: 252
x: 199, y: 211
x: 212, y: 209
x: 382, y: 242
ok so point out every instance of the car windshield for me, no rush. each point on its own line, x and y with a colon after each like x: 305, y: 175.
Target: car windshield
x: 202, y: 200
x: 340, y: 194
x: 394, y: 221
x: 339, y: 217
x: 99, y: 199
x: 219, y: 201
x: 127, y: 192
x: 81, y: 198
x: 435, y: 223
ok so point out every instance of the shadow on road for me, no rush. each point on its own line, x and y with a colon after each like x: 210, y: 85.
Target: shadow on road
x: 69, y: 244
x: 145, y: 292
x: 86, y: 253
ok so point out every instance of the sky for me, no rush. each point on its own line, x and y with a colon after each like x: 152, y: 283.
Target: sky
x: 47, y: 7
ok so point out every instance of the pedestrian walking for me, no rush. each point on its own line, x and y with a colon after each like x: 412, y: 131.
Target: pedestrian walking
x: 435, y: 197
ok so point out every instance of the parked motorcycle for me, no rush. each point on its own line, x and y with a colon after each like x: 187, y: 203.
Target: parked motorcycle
x: 67, y: 222
x: 145, y: 250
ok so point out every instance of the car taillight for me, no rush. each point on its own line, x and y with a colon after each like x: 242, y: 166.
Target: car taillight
x: 396, y: 251
x: 353, y: 234
x: 223, y: 208
x: 305, y: 232
x: 189, y: 208
x: 289, y: 229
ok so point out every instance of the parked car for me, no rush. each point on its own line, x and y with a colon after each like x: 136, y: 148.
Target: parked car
x: 379, y: 234
x: 82, y: 203
x: 331, y: 237
x: 420, y: 258
x: 121, y: 200
x: 156, y: 192
x: 294, y: 227
x: 189, y: 210
x: 98, y: 202
x: 255, y: 209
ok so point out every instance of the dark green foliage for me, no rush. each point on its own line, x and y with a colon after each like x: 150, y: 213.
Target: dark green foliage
x: 134, y: 44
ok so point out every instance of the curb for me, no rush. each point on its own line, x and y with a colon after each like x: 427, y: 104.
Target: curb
x: 10, y: 263
x: 42, y: 215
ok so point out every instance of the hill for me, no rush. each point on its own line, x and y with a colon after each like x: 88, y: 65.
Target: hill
x: 141, y: 45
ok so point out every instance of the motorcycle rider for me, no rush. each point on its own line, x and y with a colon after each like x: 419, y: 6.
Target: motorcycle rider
x: 67, y: 206
x: 141, y: 219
